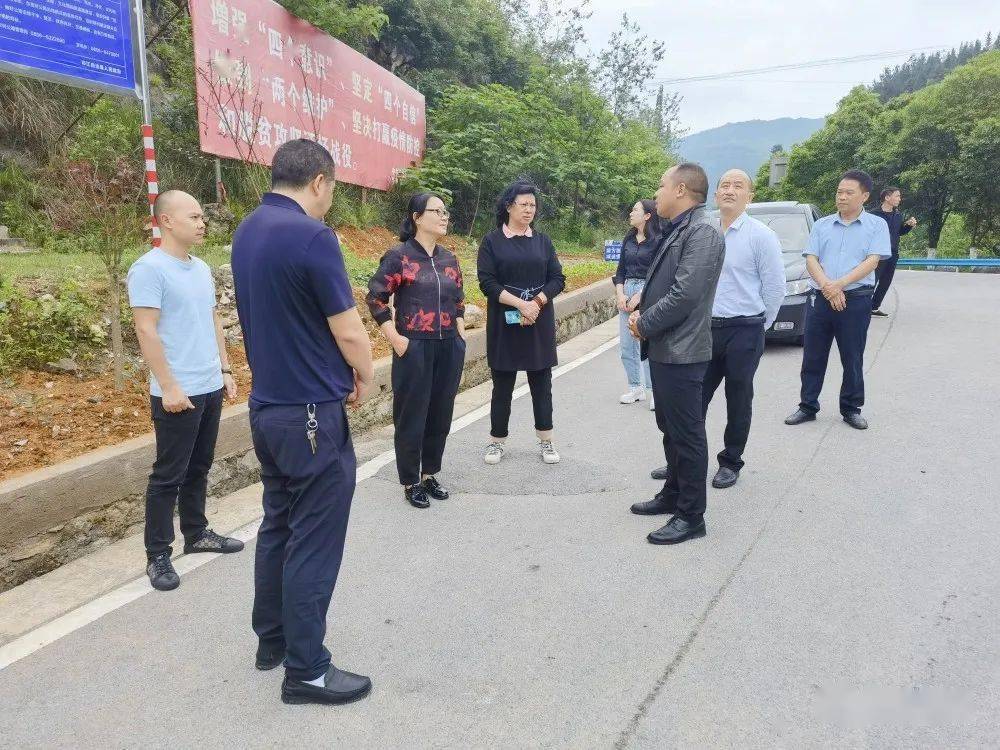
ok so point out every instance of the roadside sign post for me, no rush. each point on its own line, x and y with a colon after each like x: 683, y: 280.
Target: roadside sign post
x: 92, y: 44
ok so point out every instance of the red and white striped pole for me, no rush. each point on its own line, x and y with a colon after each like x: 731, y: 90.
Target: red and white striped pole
x: 148, y: 147
x: 152, y: 184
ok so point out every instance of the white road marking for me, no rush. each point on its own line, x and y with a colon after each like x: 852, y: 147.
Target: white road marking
x: 85, y: 614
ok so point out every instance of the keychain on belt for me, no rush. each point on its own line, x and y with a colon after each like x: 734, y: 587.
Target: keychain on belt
x: 311, y: 425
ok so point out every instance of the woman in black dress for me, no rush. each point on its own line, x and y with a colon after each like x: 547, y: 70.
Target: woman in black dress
x: 428, y: 343
x: 520, y: 275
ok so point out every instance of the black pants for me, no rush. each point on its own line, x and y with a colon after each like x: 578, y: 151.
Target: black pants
x: 185, y: 449
x: 677, y: 390
x: 307, y: 503
x: 884, y: 273
x: 540, y: 383
x: 850, y: 328
x: 424, y: 383
x: 737, y: 346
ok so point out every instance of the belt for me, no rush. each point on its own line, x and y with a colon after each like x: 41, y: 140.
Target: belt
x: 738, y: 320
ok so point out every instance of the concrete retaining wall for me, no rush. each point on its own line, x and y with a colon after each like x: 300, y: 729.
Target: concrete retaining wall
x: 56, y: 514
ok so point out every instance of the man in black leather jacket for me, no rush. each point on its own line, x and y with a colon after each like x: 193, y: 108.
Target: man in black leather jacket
x: 674, y: 322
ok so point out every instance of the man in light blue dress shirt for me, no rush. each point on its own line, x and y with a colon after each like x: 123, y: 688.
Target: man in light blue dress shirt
x: 747, y: 299
x: 844, y: 250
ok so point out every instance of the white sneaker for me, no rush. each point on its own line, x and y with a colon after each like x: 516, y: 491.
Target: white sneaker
x: 549, y: 454
x: 652, y: 406
x: 494, y: 452
x: 635, y: 394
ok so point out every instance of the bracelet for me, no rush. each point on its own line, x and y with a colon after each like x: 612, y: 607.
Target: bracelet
x: 538, y: 302
x: 226, y: 371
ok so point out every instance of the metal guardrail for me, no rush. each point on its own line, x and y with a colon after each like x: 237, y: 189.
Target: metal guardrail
x: 950, y: 262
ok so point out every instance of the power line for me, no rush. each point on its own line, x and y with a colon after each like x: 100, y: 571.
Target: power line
x: 797, y: 66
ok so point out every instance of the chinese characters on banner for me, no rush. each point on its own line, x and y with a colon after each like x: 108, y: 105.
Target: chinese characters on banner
x: 265, y: 77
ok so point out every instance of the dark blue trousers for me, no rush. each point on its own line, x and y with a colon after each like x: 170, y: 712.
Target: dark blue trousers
x: 307, y: 502
x: 850, y: 329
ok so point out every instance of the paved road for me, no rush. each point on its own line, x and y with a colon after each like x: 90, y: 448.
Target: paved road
x: 847, y: 594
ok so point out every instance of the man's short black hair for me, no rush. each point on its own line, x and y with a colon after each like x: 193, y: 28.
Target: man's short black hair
x: 297, y: 163
x: 694, y: 179
x: 862, y: 178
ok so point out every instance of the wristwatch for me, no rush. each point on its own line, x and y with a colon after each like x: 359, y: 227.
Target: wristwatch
x: 227, y: 371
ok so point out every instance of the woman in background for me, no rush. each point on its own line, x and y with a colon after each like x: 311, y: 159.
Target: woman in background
x: 638, y: 249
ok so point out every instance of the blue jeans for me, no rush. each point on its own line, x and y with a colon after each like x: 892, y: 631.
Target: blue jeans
x: 629, y: 345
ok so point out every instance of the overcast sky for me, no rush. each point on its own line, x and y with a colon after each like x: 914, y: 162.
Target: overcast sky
x: 717, y: 36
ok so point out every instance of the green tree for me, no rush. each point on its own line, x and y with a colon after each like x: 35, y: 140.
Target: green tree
x: 624, y: 66
x: 976, y: 194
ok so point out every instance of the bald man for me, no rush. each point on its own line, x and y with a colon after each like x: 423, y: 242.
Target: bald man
x: 750, y: 292
x: 172, y: 296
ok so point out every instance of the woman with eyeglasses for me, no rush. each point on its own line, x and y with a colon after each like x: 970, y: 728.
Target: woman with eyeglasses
x: 520, y: 275
x: 427, y: 335
x: 638, y: 249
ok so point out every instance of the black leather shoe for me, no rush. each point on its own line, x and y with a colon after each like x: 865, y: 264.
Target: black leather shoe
x: 416, y: 496
x: 269, y: 657
x: 434, y: 489
x: 724, y: 477
x: 856, y: 421
x: 800, y: 416
x: 340, y: 687
x: 678, y: 530
x: 663, y: 473
x: 655, y: 507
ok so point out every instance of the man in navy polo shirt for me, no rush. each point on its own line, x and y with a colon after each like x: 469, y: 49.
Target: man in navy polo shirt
x: 309, y: 353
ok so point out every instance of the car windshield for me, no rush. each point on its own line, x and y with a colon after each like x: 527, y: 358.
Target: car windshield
x: 792, y: 230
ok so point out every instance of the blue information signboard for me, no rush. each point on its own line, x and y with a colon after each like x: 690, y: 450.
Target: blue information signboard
x: 612, y: 250
x: 86, y: 43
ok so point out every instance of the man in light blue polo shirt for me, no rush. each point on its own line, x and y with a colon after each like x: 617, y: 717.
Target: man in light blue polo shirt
x: 172, y: 296
x: 844, y: 250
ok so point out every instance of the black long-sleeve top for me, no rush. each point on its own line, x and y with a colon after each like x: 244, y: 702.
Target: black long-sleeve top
x: 525, y: 267
x: 427, y: 288
x: 635, y: 258
x: 896, y: 227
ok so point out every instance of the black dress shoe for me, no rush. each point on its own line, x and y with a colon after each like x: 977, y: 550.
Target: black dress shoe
x: 724, y: 477
x: 655, y: 507
x: 662, y: 474
x: 416, y: 496
x: 800, y: 416
x: 678, y: 530
x: 339, y: 687
x: 269, y: 657
x: 434, y: 488
x: 856, y: 421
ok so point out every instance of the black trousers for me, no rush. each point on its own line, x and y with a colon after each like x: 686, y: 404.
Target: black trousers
x: 424, y: 383
x: 737, y: 346
x: 300, y: 545
x: 884, y: 273
x: 540, y: 383
x: 850, y: 329
x: 185, y: 449
x: 677, y: 390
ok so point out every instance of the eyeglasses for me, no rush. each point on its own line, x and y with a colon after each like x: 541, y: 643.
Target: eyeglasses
x: 444, y: 213
x: 526, y: 205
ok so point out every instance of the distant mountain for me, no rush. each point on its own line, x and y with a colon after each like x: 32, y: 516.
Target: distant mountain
x: 745, y: 145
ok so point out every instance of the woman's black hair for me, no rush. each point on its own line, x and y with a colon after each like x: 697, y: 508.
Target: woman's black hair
x: 521, y: 187
x: 417, y: 205
x: 887, y: 192
x: 653, y: 227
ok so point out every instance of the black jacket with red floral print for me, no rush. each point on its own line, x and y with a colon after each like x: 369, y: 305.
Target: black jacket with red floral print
x: 427, y: 289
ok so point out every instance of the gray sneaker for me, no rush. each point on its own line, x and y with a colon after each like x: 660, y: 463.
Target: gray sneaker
x: 549, y: 454
x: 494, y: 452
x: 209, y: 541
x: 162, y: 575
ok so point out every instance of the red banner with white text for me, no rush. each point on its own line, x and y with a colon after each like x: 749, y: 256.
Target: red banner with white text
x: 265, y: 77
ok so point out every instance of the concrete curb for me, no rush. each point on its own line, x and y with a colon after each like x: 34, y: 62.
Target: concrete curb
x: 54, y: 515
